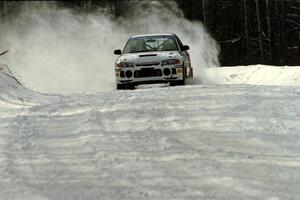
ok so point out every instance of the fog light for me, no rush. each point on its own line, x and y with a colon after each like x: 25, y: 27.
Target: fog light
x: 167, y: 71
x: 179, y: 71
x: 128, y: 74
x: 174, y: 71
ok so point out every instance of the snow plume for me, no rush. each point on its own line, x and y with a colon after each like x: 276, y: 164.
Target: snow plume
x: 56, y: 50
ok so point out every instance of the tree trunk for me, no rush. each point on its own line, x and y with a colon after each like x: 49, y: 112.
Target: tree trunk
x: 27, y: 7
x: 269, y: 39
x: 86, y: 7
x: 204, y: 12
x: 261, y: 48
x: 4, y: 8
x: 268, y: 19
x: 246, y: 27
x: 119, y: 7
x: 283, y: 32
x: 277, y: 46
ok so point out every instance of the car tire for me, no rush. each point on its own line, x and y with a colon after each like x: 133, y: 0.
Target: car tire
x: 121, y: 86
x: 129, y: 86
x: 125, y: 87
x: 174, y: 83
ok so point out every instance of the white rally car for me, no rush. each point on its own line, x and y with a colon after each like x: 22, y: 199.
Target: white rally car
x: 152, y: 58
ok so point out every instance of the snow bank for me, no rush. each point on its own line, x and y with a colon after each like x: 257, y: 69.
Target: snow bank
x: 14, y: 95
x: 10, y: 87
x: 255, y: 75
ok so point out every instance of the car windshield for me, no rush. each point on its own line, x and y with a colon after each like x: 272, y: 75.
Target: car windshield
x: 151, y: 43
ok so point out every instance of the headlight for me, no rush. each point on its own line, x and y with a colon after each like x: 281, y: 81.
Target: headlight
x: 124, y: 64
x: 170, y: 62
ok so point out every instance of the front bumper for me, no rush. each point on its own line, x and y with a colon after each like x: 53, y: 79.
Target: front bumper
x: 145, y: 75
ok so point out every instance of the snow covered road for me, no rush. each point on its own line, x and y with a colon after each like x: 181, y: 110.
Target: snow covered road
x: 191, y: 142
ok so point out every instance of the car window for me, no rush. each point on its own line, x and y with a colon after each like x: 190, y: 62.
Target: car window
x: 151, y: 43
x: 179, y: 42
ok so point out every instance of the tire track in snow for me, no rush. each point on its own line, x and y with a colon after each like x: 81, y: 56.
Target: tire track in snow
x: 186, y: 142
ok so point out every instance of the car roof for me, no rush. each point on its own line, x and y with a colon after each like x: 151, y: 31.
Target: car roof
x: 154, y: 34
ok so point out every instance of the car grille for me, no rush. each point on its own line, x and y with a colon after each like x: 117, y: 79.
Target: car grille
x: 147, y: 72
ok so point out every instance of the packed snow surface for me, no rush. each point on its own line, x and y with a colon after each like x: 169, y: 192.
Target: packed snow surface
x: 187, y: 142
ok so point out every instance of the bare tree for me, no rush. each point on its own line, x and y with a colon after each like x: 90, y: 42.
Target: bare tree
x: 119, y: 7
x: 268, y: 19
x: 87, y: 4
x: 4, y: 3
x: 283, y: 20
x: 261, y: 48
x: 204, y: 12
x: 246, y: 32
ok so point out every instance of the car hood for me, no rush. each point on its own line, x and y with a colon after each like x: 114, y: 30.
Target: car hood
x: 146, y: 57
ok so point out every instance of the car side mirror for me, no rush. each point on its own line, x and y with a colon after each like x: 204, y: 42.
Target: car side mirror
x: 118, y: 52
x: 185, y: 48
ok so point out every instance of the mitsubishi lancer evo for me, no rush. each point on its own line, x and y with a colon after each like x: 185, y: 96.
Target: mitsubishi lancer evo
x: 152, y: 58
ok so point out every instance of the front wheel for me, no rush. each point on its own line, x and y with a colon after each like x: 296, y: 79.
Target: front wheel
x: 125, y: 87
x: 120, y: 87
x: 174, y: 83
x: 181, y: 82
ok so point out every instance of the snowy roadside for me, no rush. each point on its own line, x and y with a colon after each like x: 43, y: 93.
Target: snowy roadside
x: 255, y: 75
